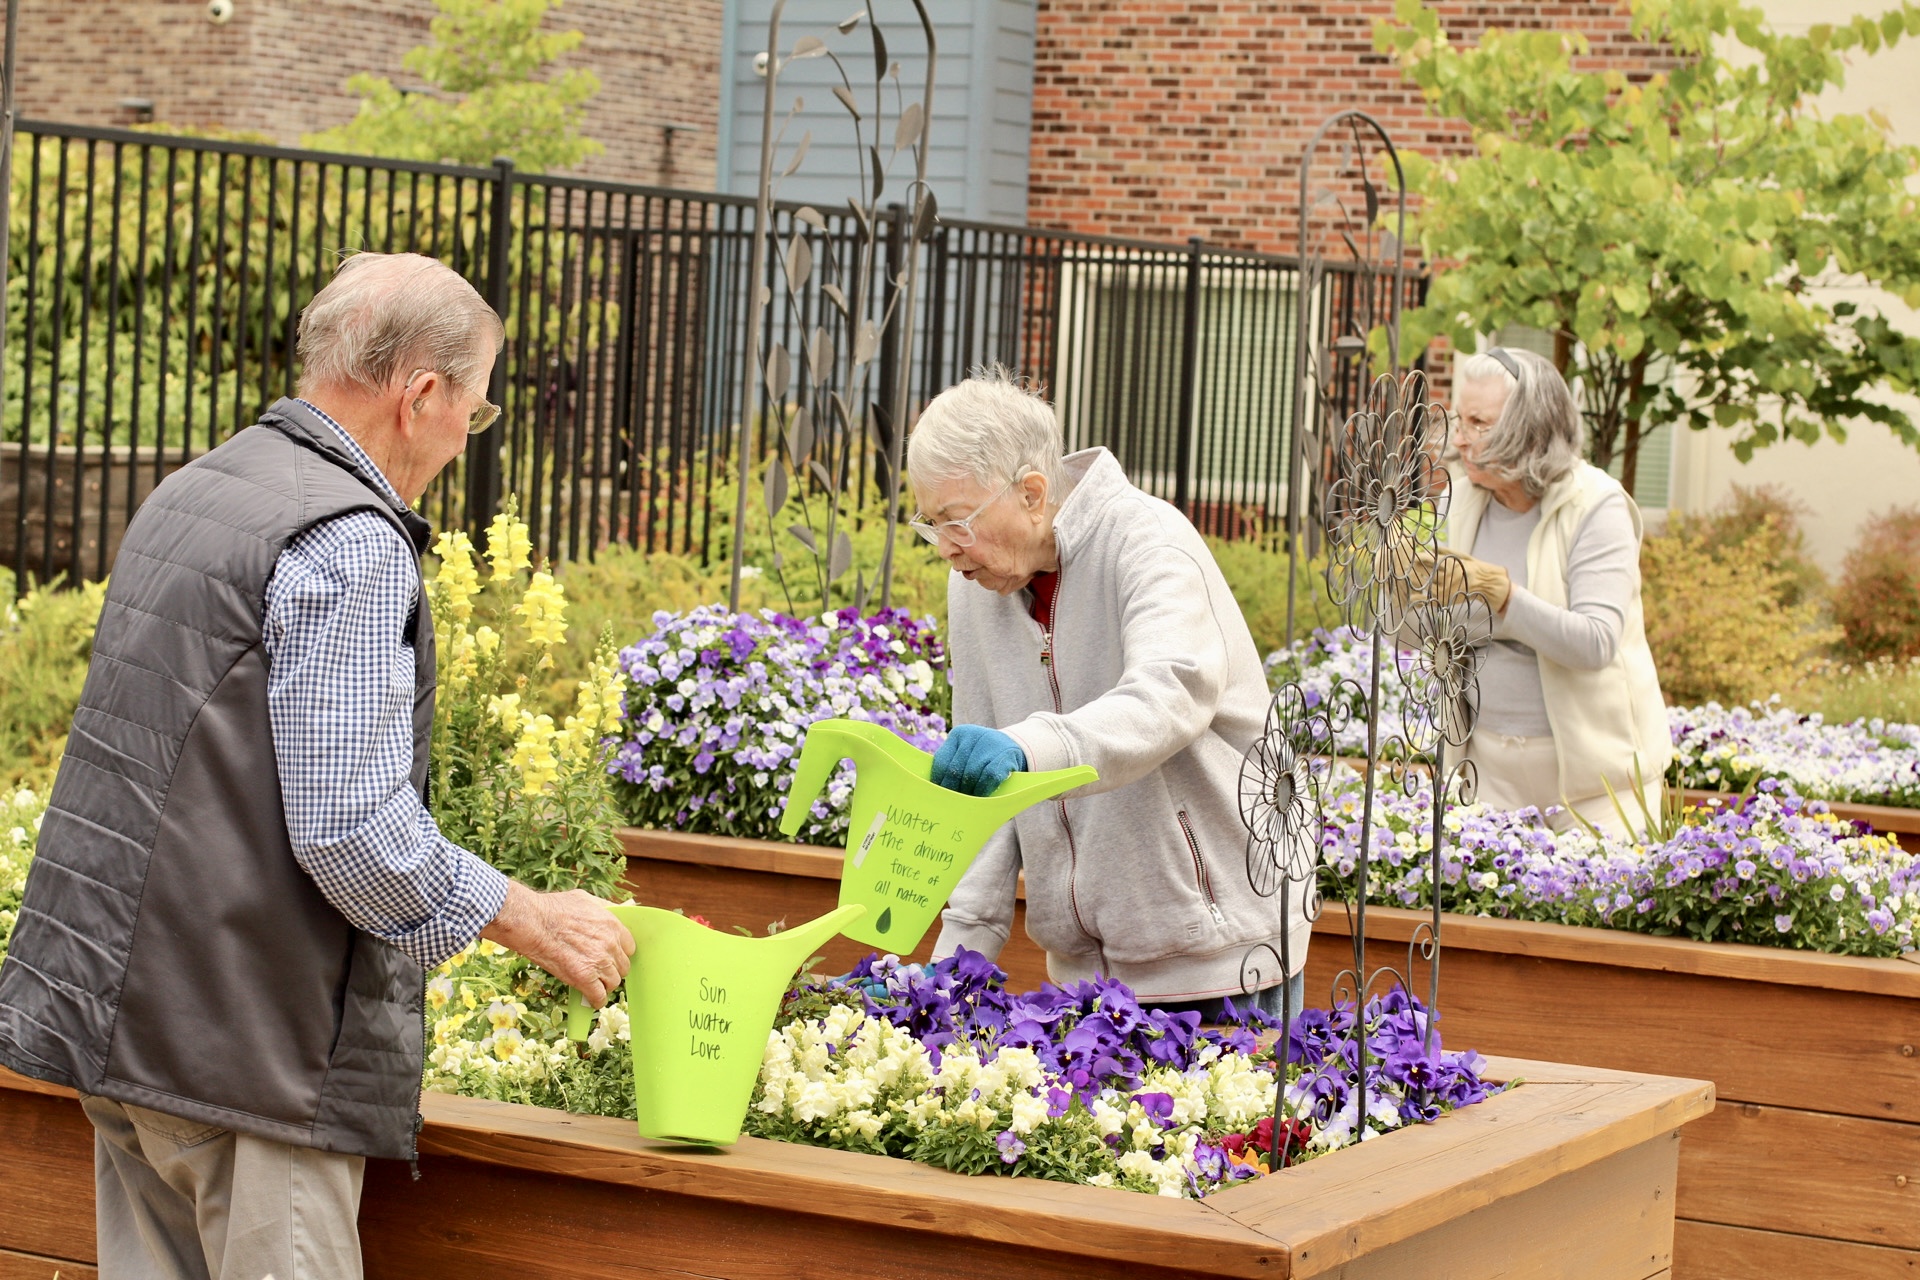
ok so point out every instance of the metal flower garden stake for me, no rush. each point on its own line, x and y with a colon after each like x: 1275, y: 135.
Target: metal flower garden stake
x: 1380, y: 516
x: 870, y: 301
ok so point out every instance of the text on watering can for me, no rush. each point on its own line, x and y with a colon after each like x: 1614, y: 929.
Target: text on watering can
x: 916, y: 856
x: 708, y: 1020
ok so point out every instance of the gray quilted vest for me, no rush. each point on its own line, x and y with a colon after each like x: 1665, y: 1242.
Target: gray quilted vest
x: 170, y: 952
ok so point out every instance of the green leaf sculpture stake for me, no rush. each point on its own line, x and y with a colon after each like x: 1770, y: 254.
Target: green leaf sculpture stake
x: 699, y: 1006
x: 910, y: 840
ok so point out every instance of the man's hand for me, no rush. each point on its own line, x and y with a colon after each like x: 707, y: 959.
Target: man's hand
x: 571, y: 935
x: 976, y: 760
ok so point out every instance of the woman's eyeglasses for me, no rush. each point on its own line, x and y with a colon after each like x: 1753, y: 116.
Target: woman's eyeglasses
x: 957, y: 532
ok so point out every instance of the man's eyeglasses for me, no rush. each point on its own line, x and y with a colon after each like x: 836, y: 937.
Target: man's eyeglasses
x: 483, y: 415
x: 958, y: 532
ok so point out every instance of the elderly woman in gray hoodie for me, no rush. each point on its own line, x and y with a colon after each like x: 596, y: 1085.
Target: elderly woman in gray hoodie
x: 1089, y: 625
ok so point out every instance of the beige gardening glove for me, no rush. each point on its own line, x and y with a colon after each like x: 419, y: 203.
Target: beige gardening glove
x: 1489, y: 581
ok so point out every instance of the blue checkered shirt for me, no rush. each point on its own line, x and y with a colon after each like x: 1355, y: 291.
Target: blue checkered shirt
x: 340, y: 698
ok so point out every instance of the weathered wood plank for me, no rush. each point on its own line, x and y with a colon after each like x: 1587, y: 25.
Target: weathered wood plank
x: 869, y: 1190
x: 27, y: 1266
x: 46, y: 1189
x: 1804, y: 1172
x: 1612, y: 1218
x: 1639, y: 951
x: 464, y: 1218
x: 1747, y: 1037
x: 1410, y: 1182
x: 1715, y: 1251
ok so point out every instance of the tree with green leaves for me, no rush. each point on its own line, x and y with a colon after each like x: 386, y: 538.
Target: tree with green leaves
x: 1672, y: 234
x: 485, y: 102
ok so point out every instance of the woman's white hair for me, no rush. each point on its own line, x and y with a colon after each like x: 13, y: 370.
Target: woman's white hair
x: 1540, y: 435
x: 384, y: 315
x: 993, y: 429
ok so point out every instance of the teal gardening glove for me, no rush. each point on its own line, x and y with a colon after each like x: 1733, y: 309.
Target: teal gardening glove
x: 975, y: 760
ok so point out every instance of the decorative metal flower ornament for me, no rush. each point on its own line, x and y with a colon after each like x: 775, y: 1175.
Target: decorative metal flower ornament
x: 1381, y: 525
x: 1280, y: 795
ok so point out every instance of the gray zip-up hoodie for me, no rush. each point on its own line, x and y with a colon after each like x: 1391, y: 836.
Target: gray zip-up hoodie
x: 1151, y: 677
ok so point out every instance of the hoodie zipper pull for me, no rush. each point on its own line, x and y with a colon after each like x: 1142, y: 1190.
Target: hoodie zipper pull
x: 1046, y: 646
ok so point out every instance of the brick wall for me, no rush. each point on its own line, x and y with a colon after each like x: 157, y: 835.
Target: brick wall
x: 1165, y: 119
x: 280, y: 68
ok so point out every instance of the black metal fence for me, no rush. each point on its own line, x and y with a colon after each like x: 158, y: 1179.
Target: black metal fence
x: 156, y: 282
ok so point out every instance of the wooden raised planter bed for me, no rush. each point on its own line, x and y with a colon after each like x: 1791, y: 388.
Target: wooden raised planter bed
x: 1571, y: 1175
x: 1810, y: 1165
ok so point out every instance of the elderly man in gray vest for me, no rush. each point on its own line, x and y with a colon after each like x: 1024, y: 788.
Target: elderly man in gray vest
x: 238, y: 885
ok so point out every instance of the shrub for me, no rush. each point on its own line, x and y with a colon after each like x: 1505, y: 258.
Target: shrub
x: 1256, y: 573
x: 46, y: 640
x: 1762, y: 526
x: 1727, y: 613
x: 1877, y: 603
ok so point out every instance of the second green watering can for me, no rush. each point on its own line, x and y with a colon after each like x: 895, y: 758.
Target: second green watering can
x: 910, y: 840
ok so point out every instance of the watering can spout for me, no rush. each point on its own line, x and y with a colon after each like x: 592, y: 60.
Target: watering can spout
x: 803, y: 940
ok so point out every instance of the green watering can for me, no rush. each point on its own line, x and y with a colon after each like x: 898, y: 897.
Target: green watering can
x: 910, y: 840
x: 699, y: 1006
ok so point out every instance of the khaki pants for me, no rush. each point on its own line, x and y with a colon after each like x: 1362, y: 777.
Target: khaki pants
x: 179, y: 1200
x: 1516, y: 772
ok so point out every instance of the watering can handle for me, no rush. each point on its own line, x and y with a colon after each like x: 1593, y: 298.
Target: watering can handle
x: 579, y: 1017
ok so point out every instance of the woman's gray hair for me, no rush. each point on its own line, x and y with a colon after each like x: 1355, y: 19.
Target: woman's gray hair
x: 992, y: 428
x: 1540, y: 435
x: 384, y: 315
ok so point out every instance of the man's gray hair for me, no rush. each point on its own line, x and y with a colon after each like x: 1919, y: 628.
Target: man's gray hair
x: 992, y: 428
x: 1540, y: 435
x: 384, y: 315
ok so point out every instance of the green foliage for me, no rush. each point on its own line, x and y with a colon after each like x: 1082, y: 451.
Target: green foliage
x: 1256, y: 572
x: 20, y: 813
x: 1843, y: 692
x: 1726, y: 613
x: 1762, y: 526
x: 482, y: 63
x: 521, y: 786
x: 46, y: 641
x: 1684, y: 219
x: 1877, y: 602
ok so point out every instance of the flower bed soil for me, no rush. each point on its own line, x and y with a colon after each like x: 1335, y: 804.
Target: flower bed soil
x: 1571, y: 1175
x: 1811, y: 1160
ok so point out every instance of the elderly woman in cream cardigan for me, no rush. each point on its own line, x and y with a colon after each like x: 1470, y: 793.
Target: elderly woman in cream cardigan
x: 1571, y: 719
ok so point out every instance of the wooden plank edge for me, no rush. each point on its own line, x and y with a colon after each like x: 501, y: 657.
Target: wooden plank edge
x: 868, y: 1189
x: 1736, y: 961
x: 1522, y: 1151
x: 10, y: 1079
x: 15, y: 1263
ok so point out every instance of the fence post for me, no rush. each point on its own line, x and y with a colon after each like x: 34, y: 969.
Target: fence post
x: 1189, y: 376
x: 483, y: 461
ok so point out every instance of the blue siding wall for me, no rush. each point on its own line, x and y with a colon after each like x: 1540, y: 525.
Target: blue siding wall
x: 982, y: 109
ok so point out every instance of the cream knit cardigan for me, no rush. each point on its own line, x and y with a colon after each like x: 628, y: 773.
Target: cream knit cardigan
x: 1602, y: 720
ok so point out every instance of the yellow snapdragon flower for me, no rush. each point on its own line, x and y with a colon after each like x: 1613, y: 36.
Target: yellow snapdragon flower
x: 544, y: 609
x: 456, y: 582
x: 596, y: 710
x: 534, y: 755
x: 509, y: 546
